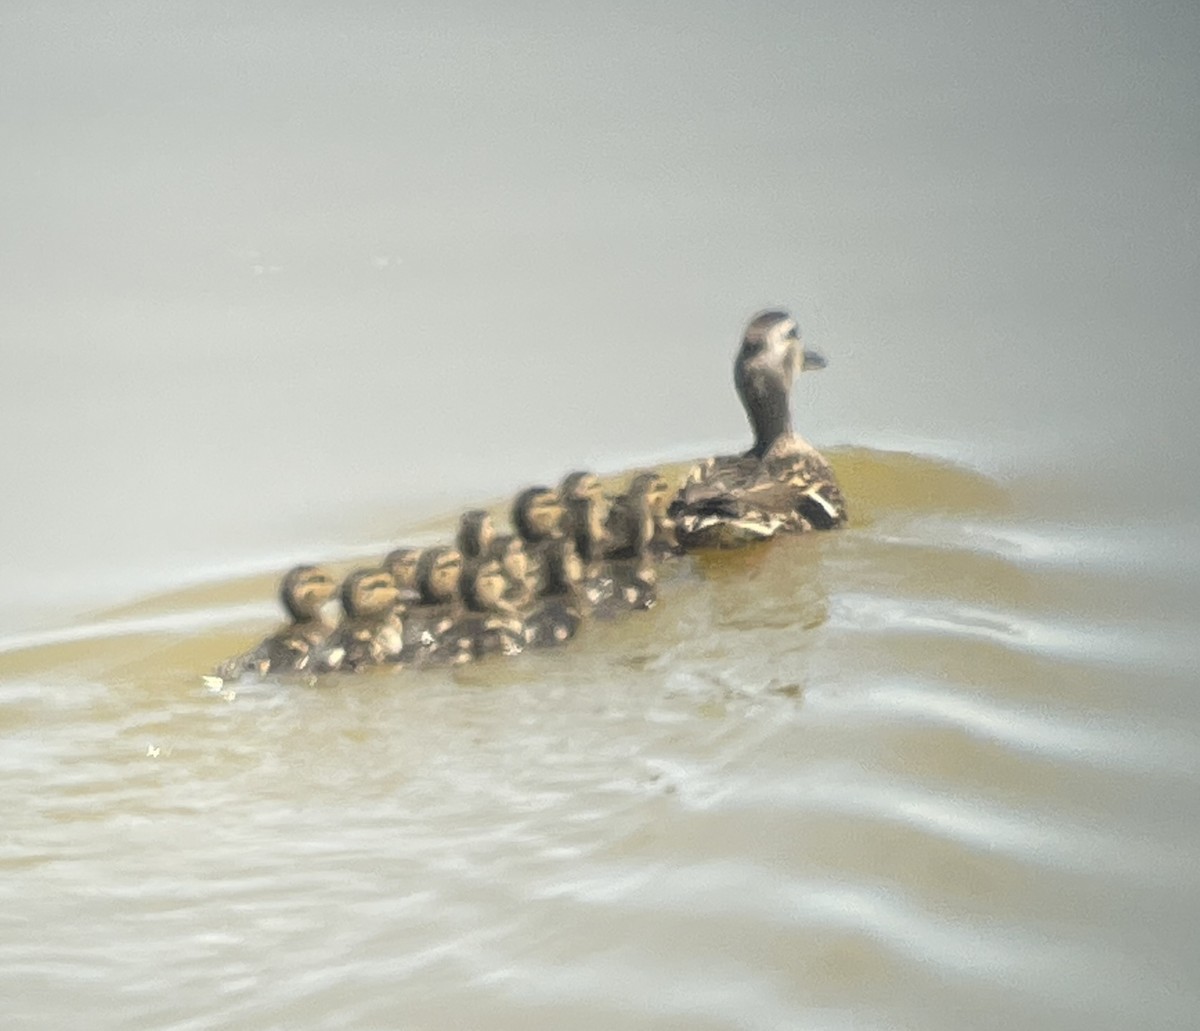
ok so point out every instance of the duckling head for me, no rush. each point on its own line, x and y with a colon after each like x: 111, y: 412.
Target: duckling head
x: 304, y: 591
x: 483, y: 587
x: 652, y: 486
x: 509, y: 551
x: 537, y: 514
x: 402, y: 564
x: 766, y: 366
x: 580, y: 484
x: 438, y: 575
x: 476, y: 533
x: 369, y: 592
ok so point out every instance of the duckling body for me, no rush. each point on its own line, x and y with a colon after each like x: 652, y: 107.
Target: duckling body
x: 615, y: 584
x: 562, y: 605
x: 783, y: 483
x: 521, y: 579
x: 635, y: 586
x: 290, y: 649
x: 438, y: 606
x: 371, y: 632
x: 490, y: 625
x: 537, y: 518
x: 639, y: 522
x: 402, y: 563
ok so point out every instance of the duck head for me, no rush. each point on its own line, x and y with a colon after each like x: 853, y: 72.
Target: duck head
x: 537, y: 514
x: 483, y: 587
x: 438, y: 575
x: 476, y: 533
x: 653, y: 487
x: 586, y: 509
x: 369, y: 592
x: 580, y: 484
x: 304, y: 591
x: 509, y: 551
x: 402, y: 564
x: 767, y: 364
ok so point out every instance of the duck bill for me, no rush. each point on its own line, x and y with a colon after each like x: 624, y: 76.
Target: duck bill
x: 812, y: 360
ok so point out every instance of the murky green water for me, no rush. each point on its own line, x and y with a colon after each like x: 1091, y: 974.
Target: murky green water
x: 300, y: 283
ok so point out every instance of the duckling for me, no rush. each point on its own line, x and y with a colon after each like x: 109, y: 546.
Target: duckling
x: 782, y: 483
x: 402, y: 564
x: 371, y: 632
x: 638, y: 522
x: 586, y: 513
x: 438, y: 606
x: 563, y: 603
x: 303, y: 592
x: 574, y: 489
x: 491, y: 624
x: 520, y: 575
x: 580, y: 484
x: 537, y: 517
x: 475, y: 534
x: 627, y: 578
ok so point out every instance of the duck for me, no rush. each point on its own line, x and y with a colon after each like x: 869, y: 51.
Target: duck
x: 438, y: 604
x: 782, y: 483
x: 476, y: 533
x: 562, y: 603
x: 402, y: 564
x: 575, y: 489
x: 521, y: 578
x: 371, y: 632
x: 303, y: 593
x: 622, y: 580
x: 639, y: 521
x: 537, y: 518
x: 490, y: 625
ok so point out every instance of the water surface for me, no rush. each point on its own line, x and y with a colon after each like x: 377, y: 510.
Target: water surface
x: 302, y: 283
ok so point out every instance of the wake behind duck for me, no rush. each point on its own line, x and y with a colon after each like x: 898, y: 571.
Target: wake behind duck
x: 575, y: 553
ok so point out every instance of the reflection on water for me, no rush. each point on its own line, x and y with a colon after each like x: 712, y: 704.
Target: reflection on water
x: 905, y: 774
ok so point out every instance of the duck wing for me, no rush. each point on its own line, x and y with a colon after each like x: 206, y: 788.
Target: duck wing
x: 734, y: 500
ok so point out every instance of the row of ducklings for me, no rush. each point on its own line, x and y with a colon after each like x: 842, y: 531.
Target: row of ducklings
x: 574, y: 553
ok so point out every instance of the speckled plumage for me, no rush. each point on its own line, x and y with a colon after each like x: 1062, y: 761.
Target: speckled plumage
x: 371, y: 631
x: 290, y: 649
x: 783, y: 483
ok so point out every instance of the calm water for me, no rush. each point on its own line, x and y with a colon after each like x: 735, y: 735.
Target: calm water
x: 301, y: 284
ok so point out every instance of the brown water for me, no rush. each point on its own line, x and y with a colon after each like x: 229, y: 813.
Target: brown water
x: 300, y: 284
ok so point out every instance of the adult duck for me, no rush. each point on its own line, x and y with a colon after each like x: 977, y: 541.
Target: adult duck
x: 783, y: 483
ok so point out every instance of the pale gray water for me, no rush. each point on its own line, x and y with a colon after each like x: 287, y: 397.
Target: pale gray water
x: 282, y: 284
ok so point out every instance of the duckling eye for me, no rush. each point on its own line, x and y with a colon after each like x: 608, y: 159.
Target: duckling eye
x: 793, y: 333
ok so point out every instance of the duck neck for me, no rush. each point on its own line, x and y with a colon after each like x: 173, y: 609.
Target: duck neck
x: 768, y: 407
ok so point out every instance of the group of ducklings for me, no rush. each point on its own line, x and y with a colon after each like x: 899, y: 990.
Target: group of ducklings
x: 574, y: 553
